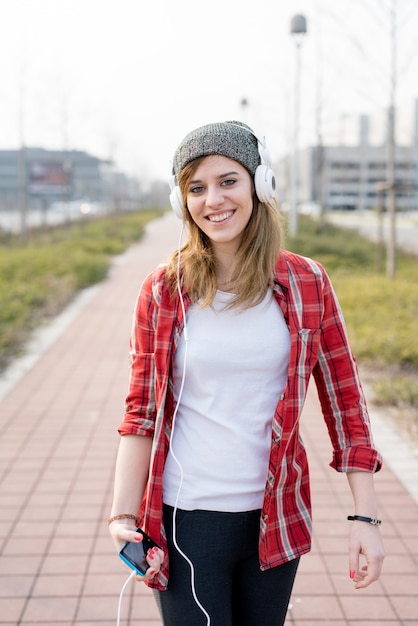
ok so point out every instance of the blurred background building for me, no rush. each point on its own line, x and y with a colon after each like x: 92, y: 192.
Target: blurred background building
x: 346, y: 174
x: 45, y: 184
x: 48, y: 176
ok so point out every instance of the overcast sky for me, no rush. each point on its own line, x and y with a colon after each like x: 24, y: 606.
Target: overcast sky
x: 127, y: 79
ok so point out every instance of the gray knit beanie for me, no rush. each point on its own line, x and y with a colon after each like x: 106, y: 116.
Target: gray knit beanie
x: 231, y: 139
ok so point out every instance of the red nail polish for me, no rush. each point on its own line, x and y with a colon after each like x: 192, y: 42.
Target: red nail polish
x: 352, y: 574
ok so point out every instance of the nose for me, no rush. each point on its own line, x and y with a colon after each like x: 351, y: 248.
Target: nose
x: 214, y: 196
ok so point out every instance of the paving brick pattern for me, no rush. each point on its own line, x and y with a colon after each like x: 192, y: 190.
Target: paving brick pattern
x: 58, y: 442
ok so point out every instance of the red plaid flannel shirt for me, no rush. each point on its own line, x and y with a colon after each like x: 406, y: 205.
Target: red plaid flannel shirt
x: 319, y: 346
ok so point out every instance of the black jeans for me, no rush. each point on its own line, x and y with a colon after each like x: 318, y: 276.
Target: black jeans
x: 223, y: 548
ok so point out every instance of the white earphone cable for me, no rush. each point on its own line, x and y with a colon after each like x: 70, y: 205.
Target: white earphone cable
x: 176, y: 545
x: 122, y: 591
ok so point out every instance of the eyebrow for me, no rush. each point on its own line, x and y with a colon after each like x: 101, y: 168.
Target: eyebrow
x: 198, y: 180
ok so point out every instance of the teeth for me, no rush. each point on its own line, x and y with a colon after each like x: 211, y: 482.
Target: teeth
x: 219, y: 218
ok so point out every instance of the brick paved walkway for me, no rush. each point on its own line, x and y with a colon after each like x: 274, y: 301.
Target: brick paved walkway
x: 57, y: 448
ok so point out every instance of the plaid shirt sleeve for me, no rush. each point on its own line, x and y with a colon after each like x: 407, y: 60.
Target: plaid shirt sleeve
x: 140, y: 407
x: 149, y: 400
x: 319, y: 347
x: 341, y: 394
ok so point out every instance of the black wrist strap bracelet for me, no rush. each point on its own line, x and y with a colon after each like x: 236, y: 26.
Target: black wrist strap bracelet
x: 360, y: 518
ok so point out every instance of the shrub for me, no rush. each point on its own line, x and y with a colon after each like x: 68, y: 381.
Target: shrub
x: 38, y: 279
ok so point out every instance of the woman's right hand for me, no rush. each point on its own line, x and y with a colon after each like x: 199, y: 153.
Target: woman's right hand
x: 122, y: 532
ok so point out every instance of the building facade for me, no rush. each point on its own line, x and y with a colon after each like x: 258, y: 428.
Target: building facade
x: 41, y: 177
x: 347, y: 177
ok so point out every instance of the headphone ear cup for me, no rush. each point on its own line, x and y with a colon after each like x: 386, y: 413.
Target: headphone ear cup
x: 265, y: 183
x: 176, y: 201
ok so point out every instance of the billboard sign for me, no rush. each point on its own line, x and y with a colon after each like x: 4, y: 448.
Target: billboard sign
x: 49, y: 178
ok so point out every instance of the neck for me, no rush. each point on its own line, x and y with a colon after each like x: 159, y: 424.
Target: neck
x: 225, y: 279
x: 225, y: 258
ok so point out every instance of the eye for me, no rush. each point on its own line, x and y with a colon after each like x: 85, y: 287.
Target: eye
x: 228, y: 182
x: 196, y: 189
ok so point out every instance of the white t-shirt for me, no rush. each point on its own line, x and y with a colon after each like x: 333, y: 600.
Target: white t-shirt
x: 236, y: 369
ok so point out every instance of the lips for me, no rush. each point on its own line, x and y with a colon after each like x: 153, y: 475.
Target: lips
x: 219, y: 217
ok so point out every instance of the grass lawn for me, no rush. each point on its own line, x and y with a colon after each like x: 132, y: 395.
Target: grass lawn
x: 38, y: 279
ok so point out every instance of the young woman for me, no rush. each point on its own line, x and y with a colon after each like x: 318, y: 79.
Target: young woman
x: 224, y: 341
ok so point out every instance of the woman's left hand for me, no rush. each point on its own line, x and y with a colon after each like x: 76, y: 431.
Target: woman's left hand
x: 365, y: 540
x: 155, y: 558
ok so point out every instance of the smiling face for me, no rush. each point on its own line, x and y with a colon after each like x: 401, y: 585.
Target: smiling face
x: 220, y: 201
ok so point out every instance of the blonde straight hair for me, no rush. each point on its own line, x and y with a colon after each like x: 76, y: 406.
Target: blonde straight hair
x: 254, y: 263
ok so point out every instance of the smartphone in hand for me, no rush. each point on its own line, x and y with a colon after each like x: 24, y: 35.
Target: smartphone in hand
x: 134, y: 553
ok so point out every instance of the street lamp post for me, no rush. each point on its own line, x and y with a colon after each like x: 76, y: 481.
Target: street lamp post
x: 297, y: 30
x: 391, y: 143
x: 21, y: 160
x: 244, y: 106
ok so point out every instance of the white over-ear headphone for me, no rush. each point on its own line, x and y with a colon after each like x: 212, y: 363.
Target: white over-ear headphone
x: 176, y: 199
x: 264, y: 180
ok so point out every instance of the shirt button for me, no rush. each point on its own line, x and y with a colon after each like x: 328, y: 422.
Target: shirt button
x: 282, y: 396
x: 265, y: 517
x: 277, y: 439
x: 271, y: 481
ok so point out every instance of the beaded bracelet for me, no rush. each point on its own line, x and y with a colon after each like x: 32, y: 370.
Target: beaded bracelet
x: 123, y: 516
x: 369, y: 520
